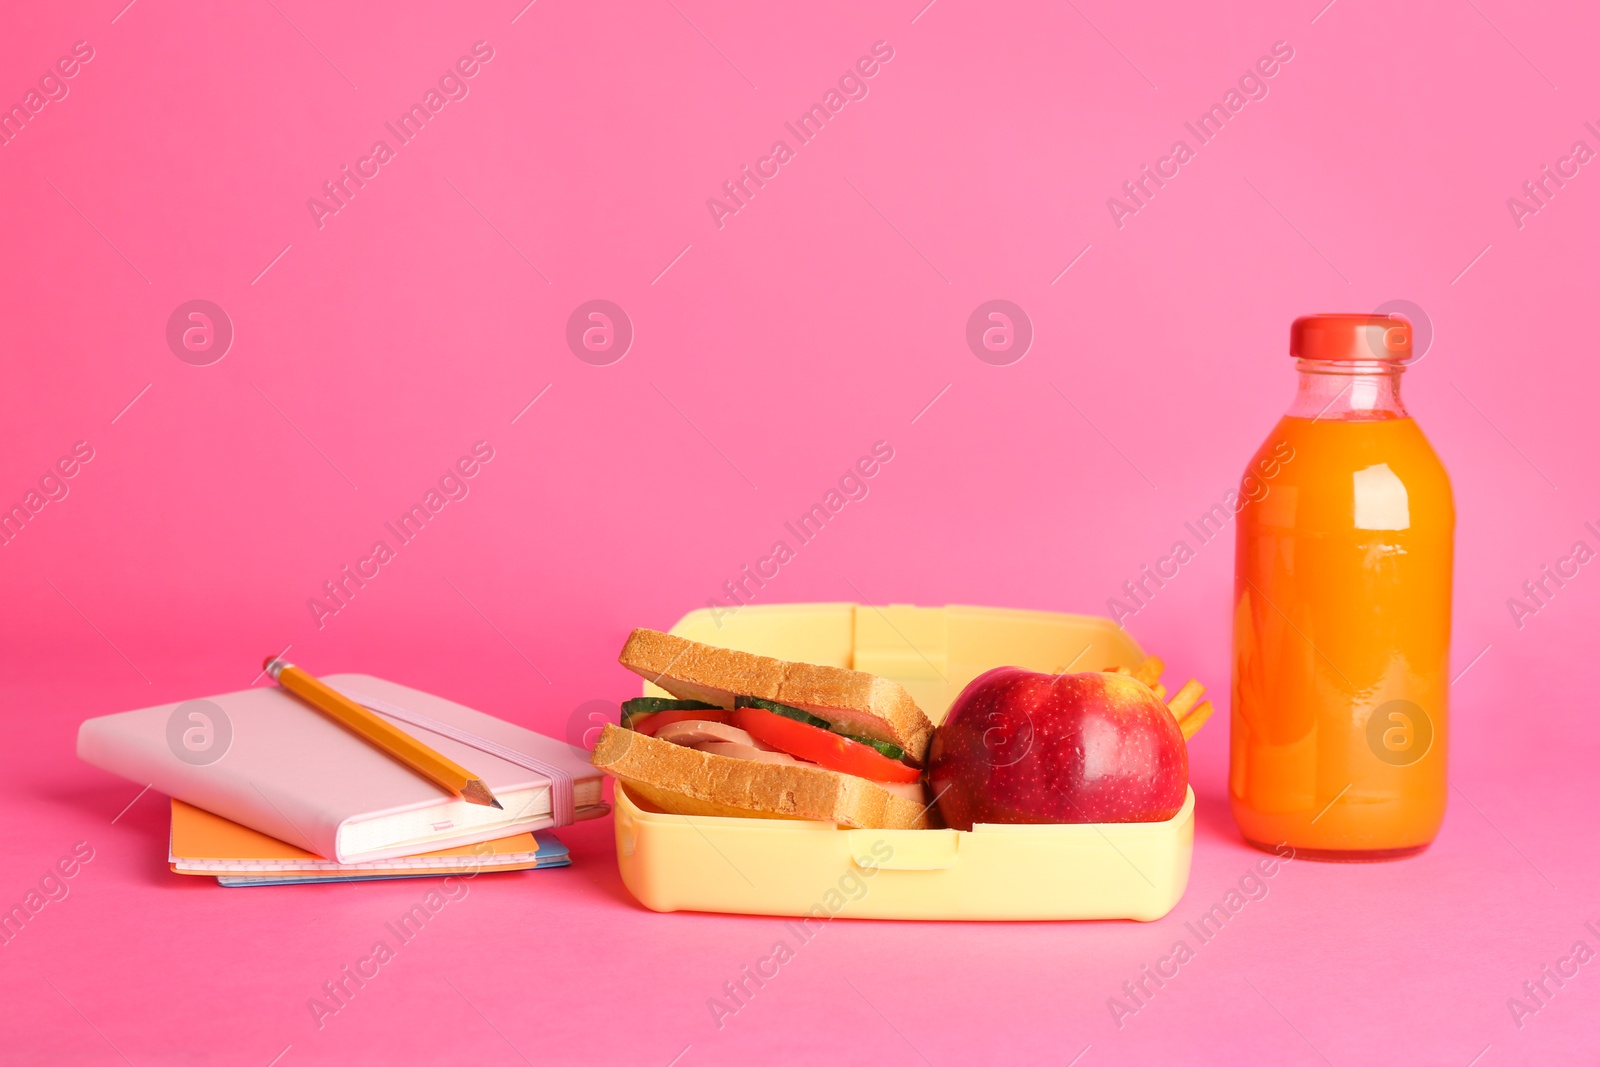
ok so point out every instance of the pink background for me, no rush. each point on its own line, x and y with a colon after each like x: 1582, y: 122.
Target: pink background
x: 821, y: 318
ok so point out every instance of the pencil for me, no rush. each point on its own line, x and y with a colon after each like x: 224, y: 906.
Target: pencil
x: 380, y: 733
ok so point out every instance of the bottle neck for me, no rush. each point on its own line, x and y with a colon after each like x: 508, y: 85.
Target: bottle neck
x: 1348, y: 392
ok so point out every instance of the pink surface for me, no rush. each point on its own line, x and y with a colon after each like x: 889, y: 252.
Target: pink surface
x: 767, y: 354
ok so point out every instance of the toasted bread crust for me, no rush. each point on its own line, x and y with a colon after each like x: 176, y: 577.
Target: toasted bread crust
x: 875, y: 707
x: 682, y: 781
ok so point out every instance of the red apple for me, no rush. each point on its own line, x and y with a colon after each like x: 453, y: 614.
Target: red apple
x: 1021, y: 747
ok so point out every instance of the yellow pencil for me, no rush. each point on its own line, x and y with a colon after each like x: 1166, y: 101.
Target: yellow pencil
x: 380, y: 733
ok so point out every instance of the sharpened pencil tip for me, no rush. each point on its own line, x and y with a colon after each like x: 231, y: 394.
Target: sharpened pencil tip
x: 475, y: 792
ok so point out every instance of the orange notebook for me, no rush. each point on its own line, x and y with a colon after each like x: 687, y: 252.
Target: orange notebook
x: 207, y: 844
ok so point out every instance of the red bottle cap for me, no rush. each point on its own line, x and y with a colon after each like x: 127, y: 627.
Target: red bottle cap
x: 1344, y: 338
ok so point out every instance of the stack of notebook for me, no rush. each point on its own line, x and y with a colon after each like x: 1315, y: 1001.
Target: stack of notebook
x: 268, y: 791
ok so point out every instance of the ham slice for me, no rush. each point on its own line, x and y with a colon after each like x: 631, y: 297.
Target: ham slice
x: 911, y: 791
x: 692, y: 733
x: 750, y: 752
x: 720, y: 739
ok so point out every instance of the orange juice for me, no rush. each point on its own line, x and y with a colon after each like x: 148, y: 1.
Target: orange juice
x: 1341, y: 620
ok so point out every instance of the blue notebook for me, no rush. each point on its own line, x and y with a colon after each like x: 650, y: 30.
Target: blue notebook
x: 552, y: 853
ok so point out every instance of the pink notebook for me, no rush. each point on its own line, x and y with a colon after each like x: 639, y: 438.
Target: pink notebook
x: 268, y: 761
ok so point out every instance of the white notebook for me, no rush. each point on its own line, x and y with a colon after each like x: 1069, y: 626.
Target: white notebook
x: 266, y: 760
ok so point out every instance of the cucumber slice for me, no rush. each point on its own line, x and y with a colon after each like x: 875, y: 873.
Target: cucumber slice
x: 638, y: 706
x: 894, y: 752
x: 782, y: 709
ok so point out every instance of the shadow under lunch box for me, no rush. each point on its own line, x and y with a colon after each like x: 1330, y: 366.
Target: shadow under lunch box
x: 994, y: 871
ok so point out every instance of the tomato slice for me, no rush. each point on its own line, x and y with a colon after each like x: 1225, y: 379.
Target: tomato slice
x: 822, y: 747
x: 649, y: 724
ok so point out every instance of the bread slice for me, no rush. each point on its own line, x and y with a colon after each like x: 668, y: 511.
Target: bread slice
x: 861, y: 703
x: 682, y: 781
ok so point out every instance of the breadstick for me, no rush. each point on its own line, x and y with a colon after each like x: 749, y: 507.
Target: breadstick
x: 1194, y: 720
x: 1184, y: 700
x: 1149, y: 672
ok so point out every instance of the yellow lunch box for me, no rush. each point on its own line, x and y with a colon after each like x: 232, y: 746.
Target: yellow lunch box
x: 809, y: 869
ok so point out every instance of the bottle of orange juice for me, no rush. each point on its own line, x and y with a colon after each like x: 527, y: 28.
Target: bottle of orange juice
x: 1341, y: 609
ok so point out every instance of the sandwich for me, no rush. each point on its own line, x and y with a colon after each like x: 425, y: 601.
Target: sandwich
x: 751, y: 736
